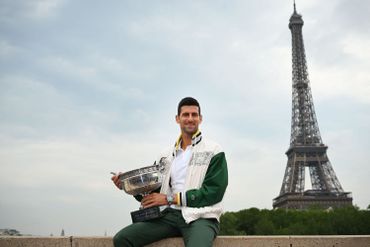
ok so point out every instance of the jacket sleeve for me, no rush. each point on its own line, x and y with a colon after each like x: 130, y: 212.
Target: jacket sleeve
x: 214, y: 185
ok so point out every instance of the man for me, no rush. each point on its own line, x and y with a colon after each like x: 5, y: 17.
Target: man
x: 194, y: 183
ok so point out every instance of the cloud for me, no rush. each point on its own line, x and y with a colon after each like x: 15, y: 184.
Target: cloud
x: 45, y: 8
x: 62, y: 65
x: 37, y: 10
x: 356, y: 47
x: 345, y: 79
x: 7, y: 49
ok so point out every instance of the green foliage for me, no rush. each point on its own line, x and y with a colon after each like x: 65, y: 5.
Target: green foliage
x: 229, y: 221
x: 314, y: 221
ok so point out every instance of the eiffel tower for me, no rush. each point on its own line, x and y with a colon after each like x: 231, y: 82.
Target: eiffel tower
x: 306, y: 148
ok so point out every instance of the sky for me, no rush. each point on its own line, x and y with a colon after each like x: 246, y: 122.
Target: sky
x: 90, y: 87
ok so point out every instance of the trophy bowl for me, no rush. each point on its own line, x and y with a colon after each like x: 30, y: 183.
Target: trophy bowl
x: 141, y: 181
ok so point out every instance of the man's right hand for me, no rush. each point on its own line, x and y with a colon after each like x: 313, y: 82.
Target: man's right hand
x: 117, y: 181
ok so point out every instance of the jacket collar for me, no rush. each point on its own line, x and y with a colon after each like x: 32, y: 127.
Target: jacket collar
x: 195, y: 139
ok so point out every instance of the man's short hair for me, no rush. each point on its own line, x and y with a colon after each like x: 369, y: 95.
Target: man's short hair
x: 187, y: 101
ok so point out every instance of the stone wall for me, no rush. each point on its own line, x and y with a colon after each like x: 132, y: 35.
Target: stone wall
x: 229, y: 241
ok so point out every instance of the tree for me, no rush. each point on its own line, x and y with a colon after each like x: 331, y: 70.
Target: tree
x: 264, y: 227
x: 228, y: 225
x: 314, y: 221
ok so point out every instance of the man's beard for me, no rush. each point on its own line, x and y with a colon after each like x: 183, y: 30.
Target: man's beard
x: 190, y: 130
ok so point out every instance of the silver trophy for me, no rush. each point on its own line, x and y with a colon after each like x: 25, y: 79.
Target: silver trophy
x: 142, y: 182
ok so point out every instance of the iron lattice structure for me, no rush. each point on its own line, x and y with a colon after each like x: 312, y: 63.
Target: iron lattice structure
x: 306, y: 146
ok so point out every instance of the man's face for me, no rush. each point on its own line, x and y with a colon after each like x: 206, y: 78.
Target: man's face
x: 189, y: 119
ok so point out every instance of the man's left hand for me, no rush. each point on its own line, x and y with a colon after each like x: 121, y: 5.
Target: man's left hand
x: 154, y: 199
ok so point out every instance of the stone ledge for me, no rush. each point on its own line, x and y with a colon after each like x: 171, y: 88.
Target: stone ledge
x: 232, y: 241
x: 24, y: 241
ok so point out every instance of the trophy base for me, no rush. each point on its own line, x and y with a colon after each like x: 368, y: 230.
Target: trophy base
x: 145, y: 214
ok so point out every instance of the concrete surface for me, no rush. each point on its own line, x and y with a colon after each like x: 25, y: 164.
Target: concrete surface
x: 232, y: 241
x: 10, y: 241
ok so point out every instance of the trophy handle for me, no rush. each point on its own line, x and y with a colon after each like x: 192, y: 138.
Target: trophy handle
x: 161, y: 167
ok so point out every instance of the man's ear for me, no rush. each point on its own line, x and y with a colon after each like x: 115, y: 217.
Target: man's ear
x: 200, y: 118
x: 177, y: 119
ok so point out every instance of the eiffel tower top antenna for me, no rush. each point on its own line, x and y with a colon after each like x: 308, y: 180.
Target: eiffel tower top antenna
x: 294, y: 7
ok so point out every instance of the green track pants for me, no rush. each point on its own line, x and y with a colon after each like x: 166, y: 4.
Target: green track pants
x: 199, y: 233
